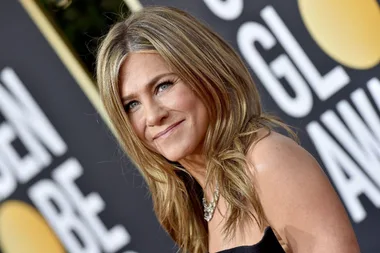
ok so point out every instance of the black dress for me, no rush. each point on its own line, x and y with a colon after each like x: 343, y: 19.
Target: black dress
x: 268, y: 244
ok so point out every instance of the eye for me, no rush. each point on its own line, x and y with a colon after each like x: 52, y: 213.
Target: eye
x: 163, y: 86
x: 131, y: 105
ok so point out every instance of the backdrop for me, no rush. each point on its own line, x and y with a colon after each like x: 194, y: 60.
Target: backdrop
x: 65, y: 186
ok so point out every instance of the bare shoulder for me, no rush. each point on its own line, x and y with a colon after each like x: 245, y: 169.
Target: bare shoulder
x: 274, y: 147
x: 298, y: 198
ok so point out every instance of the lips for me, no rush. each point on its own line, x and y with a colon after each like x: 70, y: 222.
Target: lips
x: 167, y: 130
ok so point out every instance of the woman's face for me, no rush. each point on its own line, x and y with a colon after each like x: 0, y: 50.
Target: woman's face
x: 164, y: 112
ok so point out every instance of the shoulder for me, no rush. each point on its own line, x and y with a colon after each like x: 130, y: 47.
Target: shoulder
x: 277, y: 156
x: 297, y: 197
x: 272, y: 147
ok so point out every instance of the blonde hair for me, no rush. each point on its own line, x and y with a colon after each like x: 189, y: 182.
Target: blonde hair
x: 219, y: 77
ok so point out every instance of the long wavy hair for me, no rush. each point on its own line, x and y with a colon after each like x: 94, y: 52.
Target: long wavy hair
x: 219, y: 77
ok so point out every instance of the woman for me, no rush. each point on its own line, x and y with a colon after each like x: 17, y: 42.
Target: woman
x: 186, y: 111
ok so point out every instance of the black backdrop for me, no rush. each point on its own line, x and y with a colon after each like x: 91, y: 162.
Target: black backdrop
x: 57, y: 157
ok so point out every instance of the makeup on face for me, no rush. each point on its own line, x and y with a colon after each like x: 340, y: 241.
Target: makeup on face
x: 163, y: 110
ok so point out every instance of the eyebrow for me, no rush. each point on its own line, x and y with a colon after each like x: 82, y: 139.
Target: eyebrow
x: 148, y: 85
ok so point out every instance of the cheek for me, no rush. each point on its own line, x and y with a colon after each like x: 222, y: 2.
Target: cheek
x: 185, y: 100
x: 138, y: 126
x: 189, y: 102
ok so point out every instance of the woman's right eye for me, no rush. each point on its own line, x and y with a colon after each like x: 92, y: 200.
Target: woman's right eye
x: 130, y: 106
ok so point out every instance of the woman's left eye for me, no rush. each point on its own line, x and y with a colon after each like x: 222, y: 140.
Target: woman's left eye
x: 163, y: 86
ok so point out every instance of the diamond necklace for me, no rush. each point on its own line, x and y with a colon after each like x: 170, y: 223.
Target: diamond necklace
x: 209, y: 208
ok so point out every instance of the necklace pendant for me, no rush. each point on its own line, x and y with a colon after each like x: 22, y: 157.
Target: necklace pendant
x: 209, y: 208
x: 208, y: 216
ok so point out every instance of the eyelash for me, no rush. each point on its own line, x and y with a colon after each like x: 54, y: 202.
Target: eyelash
x: 167, y: 82
x: 156, y: 91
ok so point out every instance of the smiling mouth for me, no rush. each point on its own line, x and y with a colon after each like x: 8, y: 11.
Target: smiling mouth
x: 167, y: 130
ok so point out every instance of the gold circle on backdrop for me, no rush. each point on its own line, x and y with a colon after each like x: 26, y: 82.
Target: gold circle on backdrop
x: 348, y: 31
x: 23, y: 230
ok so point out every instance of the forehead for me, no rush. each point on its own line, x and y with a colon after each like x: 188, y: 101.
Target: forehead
x: 140, y: 68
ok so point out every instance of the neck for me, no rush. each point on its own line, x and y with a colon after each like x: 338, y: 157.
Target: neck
x: 196, y: 166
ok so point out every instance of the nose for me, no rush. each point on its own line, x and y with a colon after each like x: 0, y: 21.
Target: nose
x: 155, y: 114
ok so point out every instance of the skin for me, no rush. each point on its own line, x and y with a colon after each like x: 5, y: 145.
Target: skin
x: 303, y: 206
x: 296, y: 195
x: 156, y: 99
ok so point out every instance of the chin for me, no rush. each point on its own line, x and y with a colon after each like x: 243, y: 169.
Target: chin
x: 175, y: 156
x: 178, y: 151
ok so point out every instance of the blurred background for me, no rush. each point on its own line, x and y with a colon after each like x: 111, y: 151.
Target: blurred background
x: 65, y: 185
x: 82, y: 23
